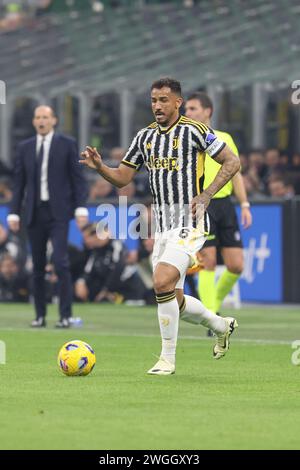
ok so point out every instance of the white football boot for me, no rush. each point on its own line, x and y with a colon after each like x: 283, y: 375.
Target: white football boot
x: 162, y: 367
x: 222, y: 341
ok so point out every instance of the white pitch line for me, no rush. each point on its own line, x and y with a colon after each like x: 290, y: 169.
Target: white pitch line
x: 137, y: 335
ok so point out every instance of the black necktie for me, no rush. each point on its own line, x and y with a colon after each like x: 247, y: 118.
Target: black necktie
x: 39, y: 163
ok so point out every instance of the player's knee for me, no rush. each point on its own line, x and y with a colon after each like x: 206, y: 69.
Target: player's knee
x: 209, y: 260
x: 236, y: 267
x: 210, y: 265
x: 162, y: 283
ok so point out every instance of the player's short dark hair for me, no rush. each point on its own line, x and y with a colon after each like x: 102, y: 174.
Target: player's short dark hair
x: 169, y: 82
x: 203, y: 98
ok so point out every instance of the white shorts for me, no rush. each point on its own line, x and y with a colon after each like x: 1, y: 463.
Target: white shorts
x: 178, y: 248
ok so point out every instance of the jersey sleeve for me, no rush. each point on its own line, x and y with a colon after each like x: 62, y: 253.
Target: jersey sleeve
x: 206, y: 140
x: 134, y: 157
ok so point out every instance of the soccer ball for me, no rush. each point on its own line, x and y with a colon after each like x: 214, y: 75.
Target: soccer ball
x: 76, y: 358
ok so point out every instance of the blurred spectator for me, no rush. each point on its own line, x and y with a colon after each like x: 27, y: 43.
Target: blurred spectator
x: 128, y: 191
x: 15, y: 14
x: 296, y: 162
x: 284, y: 162
x: 257, y: 168
x: 12, y: 244
x: 253, y: 185
x: 272, y: 158
x: 244, y: 163
x: 101, y: 189
x: 13, y: 17
x: 5, y: 191
x: 13, y: 282
x: 106, y: 276
x: 116, y: 155
x: 41, y: 6
x: 281, y: 187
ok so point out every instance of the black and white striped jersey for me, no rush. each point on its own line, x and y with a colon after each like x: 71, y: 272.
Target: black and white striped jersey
x: 174, y: 158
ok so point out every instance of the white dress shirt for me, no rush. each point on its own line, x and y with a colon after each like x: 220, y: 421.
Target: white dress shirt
x: 47, y: 139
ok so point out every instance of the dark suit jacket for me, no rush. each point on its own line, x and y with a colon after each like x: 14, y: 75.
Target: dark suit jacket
x: 66, y: 183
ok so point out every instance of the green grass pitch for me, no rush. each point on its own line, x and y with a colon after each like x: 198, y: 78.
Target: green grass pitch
x: 248, y: 400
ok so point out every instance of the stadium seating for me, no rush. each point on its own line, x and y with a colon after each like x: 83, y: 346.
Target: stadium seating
x: 214, y: 42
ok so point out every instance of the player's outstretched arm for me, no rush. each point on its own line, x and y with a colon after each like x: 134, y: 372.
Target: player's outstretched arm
x: 119, y: 177
x: 230, y: 164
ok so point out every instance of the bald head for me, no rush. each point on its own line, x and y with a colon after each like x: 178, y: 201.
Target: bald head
x: 44, y: 120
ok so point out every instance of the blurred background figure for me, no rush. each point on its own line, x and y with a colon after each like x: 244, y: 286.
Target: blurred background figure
x: 280, y: 187
x: 13, y: 245
x: 14, y: 283
x: 101, y: 189
x: 127, y: 191
x: 106, y: 276
x: 48, y: 176
x: 5, y: 191
x: 116, y: 155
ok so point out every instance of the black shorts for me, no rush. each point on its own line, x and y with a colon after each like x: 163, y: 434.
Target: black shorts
x: 224, y: 227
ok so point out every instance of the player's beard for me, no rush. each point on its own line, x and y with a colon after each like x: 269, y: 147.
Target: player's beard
x: 163, y: 123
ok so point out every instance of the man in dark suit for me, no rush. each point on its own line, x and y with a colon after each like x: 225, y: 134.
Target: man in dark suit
x: 47, y: 169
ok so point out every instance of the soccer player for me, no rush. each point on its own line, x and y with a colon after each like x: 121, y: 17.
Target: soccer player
x: 224, y: 228
x: 172, y: 149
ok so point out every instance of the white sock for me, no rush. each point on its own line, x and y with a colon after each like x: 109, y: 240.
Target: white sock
x: 168, y: 317
x: 193, y: 311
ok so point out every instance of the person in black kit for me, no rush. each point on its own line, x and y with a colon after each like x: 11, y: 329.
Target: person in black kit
x: 47, y: 168
x: 14, y: 285
x: 106, y: 276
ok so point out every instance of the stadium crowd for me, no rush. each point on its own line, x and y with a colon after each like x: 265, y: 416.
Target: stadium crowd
x: 106, y: 270
x: 19, y: 13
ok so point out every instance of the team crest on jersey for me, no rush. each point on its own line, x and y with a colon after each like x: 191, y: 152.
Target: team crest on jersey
x: 149, y: 146
x: 175, y: 143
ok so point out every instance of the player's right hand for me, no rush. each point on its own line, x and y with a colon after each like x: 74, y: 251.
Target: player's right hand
x: 91, y: 158
x: 14, y: 225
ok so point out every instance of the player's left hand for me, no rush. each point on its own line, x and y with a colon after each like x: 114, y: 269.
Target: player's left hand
x: 200, y: 204
x: 246, y: 217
